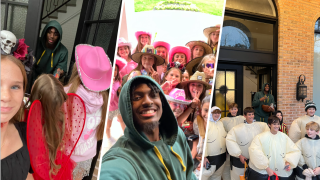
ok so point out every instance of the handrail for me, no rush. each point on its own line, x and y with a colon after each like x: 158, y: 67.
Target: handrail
x: 55, y: 4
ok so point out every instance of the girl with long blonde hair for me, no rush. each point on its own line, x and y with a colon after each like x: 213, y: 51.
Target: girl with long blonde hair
x: 144, y: 38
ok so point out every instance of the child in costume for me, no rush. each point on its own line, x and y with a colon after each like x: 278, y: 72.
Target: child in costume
x: 207, y: 66
x: 147, y: 60
x: 199, y: 49
x: 124, y: 51
x: 272, y: 153
x: 283, y: 126
x: 180, y: 54
x: 172, y: 77
x: 90, y: 79
x: 185, y: 76
x: 162, y: 49
x: 215, y: 151
x: 143, y: 38
x: 54, y: 128
x: 212, y: 34
x: 113, y: 107
x: 297, y: 128
x: 309, y: 163
x: 239, y: 139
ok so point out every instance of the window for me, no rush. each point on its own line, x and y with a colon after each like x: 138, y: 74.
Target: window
x: 263, y: 7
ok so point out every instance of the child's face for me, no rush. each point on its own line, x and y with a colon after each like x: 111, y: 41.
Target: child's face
x: 180, y: 57
x: 208, y: 67
x: 198, y: 51
x: 216, y: 116
x: 274, y: 127
x: 147, y: 61
x: 144, y: 39
x: 214, y: 37
x: 279, y: 116
x: 185, y: 76
x: 162, y: 52
x: 249, y: 117
x: 11, y: 90
x: 204, y: 111
x: 311, y: 111
x: 123, y: 51
x: 195, y: 89
x: 233, y: 111
x: 173, y: 75
x: 312, y: 133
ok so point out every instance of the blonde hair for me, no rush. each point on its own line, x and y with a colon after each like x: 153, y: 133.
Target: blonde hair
x: 74, y: 84
x: 19, y: 115
x: 313, y: 126
x: 204, y: 59
x: 173, y: 68
x: 49, y: 91
x: 139, y: 45
x: 210, y: 42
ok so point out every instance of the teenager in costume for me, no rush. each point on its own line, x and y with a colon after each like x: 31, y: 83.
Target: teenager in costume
x: 207, y: 66
x: 272, y: 153
x: 283, y: 126
x: 124, y: 51
x: 162, y: 49
x: 172, y: 77
x: 180, y: 54
x: 143, y: 38
x: 90, y: 79
x: 232, y: 119
x: 147, y: 61
x: 239, y: 139
x: 199, y: 49
x: 215, y: 151
x: 212, y: 34
x: 153, y: 146
x: 309, y: 163
x: 297, y: 128
x: 15, y: 160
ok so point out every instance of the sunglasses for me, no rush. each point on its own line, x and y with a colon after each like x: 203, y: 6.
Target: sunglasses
x: 177, y: 105
x: 208, y: 65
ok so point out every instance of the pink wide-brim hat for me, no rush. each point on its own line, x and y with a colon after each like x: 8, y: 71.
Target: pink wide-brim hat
x: 138, y: 33
x: 161, y: 43
x: 123, y: 42
x: 180, y: 49
x: 94, y: 67
x: 178, y: 96
x: 120, y: 62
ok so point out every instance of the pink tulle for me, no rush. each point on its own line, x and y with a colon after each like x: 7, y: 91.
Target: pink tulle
x: 21, y: 51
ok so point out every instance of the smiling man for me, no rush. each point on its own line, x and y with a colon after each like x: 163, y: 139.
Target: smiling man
x: 153, y: 147
x: 52, y: 55
x: 239, y: 139
x: 263, y: 102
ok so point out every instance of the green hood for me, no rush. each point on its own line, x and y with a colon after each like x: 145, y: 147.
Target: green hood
x: 264, y: 85
x: 56, y: 25
x: 168, y: 124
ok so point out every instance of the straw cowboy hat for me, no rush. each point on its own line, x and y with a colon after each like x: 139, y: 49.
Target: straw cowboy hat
x: 94, y: 67
x: 206, y: 46
x: 148, y: 50
x: 197, y: 77
x: 209, y: 30
x: 178, y: 96
x: 180, y: 49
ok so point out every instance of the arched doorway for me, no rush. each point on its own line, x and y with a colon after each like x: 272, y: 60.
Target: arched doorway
x: 316, y: 64
x: 248, y: 52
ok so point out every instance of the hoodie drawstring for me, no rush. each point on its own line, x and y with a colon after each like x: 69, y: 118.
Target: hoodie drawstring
x: 160, y: 158
x: 41, y: 57
x: 179, y: 158
x: 165, y: 167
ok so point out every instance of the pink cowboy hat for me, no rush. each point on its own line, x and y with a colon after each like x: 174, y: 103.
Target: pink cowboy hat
x: 180, y: 49
x: 94, y: 67
x: 178, y: 96
x: 120, y: 62
x: 161, y: 43
x: 138, y: 33
x: 123, y: 42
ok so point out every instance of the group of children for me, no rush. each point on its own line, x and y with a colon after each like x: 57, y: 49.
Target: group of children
x: 54, y: 135
x: 185, y: 74
x: 239, y: 147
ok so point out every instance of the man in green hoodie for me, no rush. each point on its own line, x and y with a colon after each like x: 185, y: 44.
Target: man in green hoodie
x: 264, y: 97
x: 153, y: 146
x: 52, y: 55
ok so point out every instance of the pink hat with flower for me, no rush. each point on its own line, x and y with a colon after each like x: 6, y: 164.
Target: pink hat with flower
x: 180, y: 49
x: 178, y: 96
x: 94, y: 67
x: 120, y: 62
x: 123, y: 42
x: 161, y: 43
x: 138, y: 33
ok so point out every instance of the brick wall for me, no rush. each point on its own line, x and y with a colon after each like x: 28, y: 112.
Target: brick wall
x: 295, y: 52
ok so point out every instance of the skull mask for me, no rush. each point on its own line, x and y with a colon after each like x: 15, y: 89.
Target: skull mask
x: 8, y: 41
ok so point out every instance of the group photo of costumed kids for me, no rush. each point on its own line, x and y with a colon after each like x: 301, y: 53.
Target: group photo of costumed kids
x: 185, y: 75
x: 53, y: 133
x: 243, y: 147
